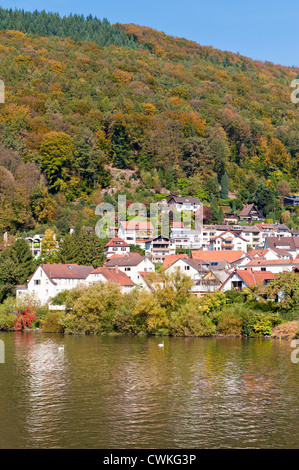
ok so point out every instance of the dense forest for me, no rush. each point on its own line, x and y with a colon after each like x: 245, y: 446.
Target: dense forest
x: 92, y: 109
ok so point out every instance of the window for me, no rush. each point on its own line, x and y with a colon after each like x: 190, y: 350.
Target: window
x: 187, y: 268
x: 127, y: 269
x: 36, y: 282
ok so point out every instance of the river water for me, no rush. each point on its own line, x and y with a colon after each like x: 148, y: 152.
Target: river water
x: 122, y: 392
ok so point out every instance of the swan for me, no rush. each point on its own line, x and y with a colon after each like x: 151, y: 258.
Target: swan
x: 61, y: 348
x: 161, y: 345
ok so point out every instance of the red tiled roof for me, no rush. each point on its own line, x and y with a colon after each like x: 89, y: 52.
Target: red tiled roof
x: 257, y: 252
x: 114, y: 275
x: 254, y: 277
x: 214, y: 255
x: 120, y: 241
x: 246, y: 210
x: 137, y: 225
x: 228, y: 231
x: 263, y: 262
x: 128, y: 259
x: 66, y: 271
x: 170, y: 259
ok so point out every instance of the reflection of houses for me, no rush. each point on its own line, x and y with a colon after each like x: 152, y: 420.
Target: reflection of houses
x: 35, y: 245
x: 250, y: 213
x: 116, y: 246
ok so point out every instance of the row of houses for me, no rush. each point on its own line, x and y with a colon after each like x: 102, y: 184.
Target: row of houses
x: 206, y: 237
x: 208, y: 269
x: 128, y: 271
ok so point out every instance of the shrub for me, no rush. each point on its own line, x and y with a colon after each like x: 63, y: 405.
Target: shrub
x: 259, y: 323
x: 229, y: 324
x: 7, y: 314
x: 24, y: 319
x: 50, y: 324
x: 188, y: 321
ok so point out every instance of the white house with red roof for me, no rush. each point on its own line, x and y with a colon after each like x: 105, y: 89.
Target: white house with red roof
x: 136, y: 232
x: 116, y: 246
x: 131, y: 264
x: 240, y: 279
x: 275, y: 265
x: 50, y: 279
x: 115, y: 275
x: 228, y: 240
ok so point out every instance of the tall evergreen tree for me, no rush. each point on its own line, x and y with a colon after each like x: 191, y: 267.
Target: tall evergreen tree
x: 21, y: 256
x: 224, y: 186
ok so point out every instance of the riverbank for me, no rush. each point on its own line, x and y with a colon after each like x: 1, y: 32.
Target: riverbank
x: 168, y: 309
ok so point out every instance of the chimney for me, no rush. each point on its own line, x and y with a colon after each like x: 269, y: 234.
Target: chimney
x: 116, y: 270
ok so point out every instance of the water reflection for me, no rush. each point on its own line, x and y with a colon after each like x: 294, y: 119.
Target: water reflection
x: 126, y: 392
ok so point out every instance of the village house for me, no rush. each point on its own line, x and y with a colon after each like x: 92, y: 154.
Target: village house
x: 50, y: 279
x: 136, y: 232
x: 283, y: 247
x: 159, y: 247
x: 210, y: 282
x: 183, y: 203
x: 228, y: 240
x: 250, y: 213
x: 275, y: 266
x: 131, y: 264
x: 116, y: 246
x: 195, y: 269
x: 186, y: 238
x: 240, y: 279
x: 214, y: 256
x: 291, y: 201
x: 170, y: 259
x: 113, y: 275
x: 35, y: 245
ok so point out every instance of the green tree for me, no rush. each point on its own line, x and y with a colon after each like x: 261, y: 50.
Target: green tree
x: 9, y: 276
x: 224, y: 186
x: 57, y: 159
x: 21, y: 256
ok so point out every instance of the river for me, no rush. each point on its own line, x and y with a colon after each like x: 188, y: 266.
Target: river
x: 122, y: 392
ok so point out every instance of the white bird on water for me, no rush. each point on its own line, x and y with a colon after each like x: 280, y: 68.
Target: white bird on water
x: 161, y: 345
x: 61, y: 348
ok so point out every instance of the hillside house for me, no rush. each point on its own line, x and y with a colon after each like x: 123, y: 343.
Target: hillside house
x: 116, y: 246
x: 136, y: 232
x: 250, y: 213
x: 131, y: 264
x: 183, y: 203
x: 228, y: 240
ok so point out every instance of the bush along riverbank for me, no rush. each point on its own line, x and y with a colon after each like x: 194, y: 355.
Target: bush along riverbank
x: 166, y: 309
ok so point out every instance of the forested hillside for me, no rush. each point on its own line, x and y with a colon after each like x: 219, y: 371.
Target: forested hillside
x: 180, y: 115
